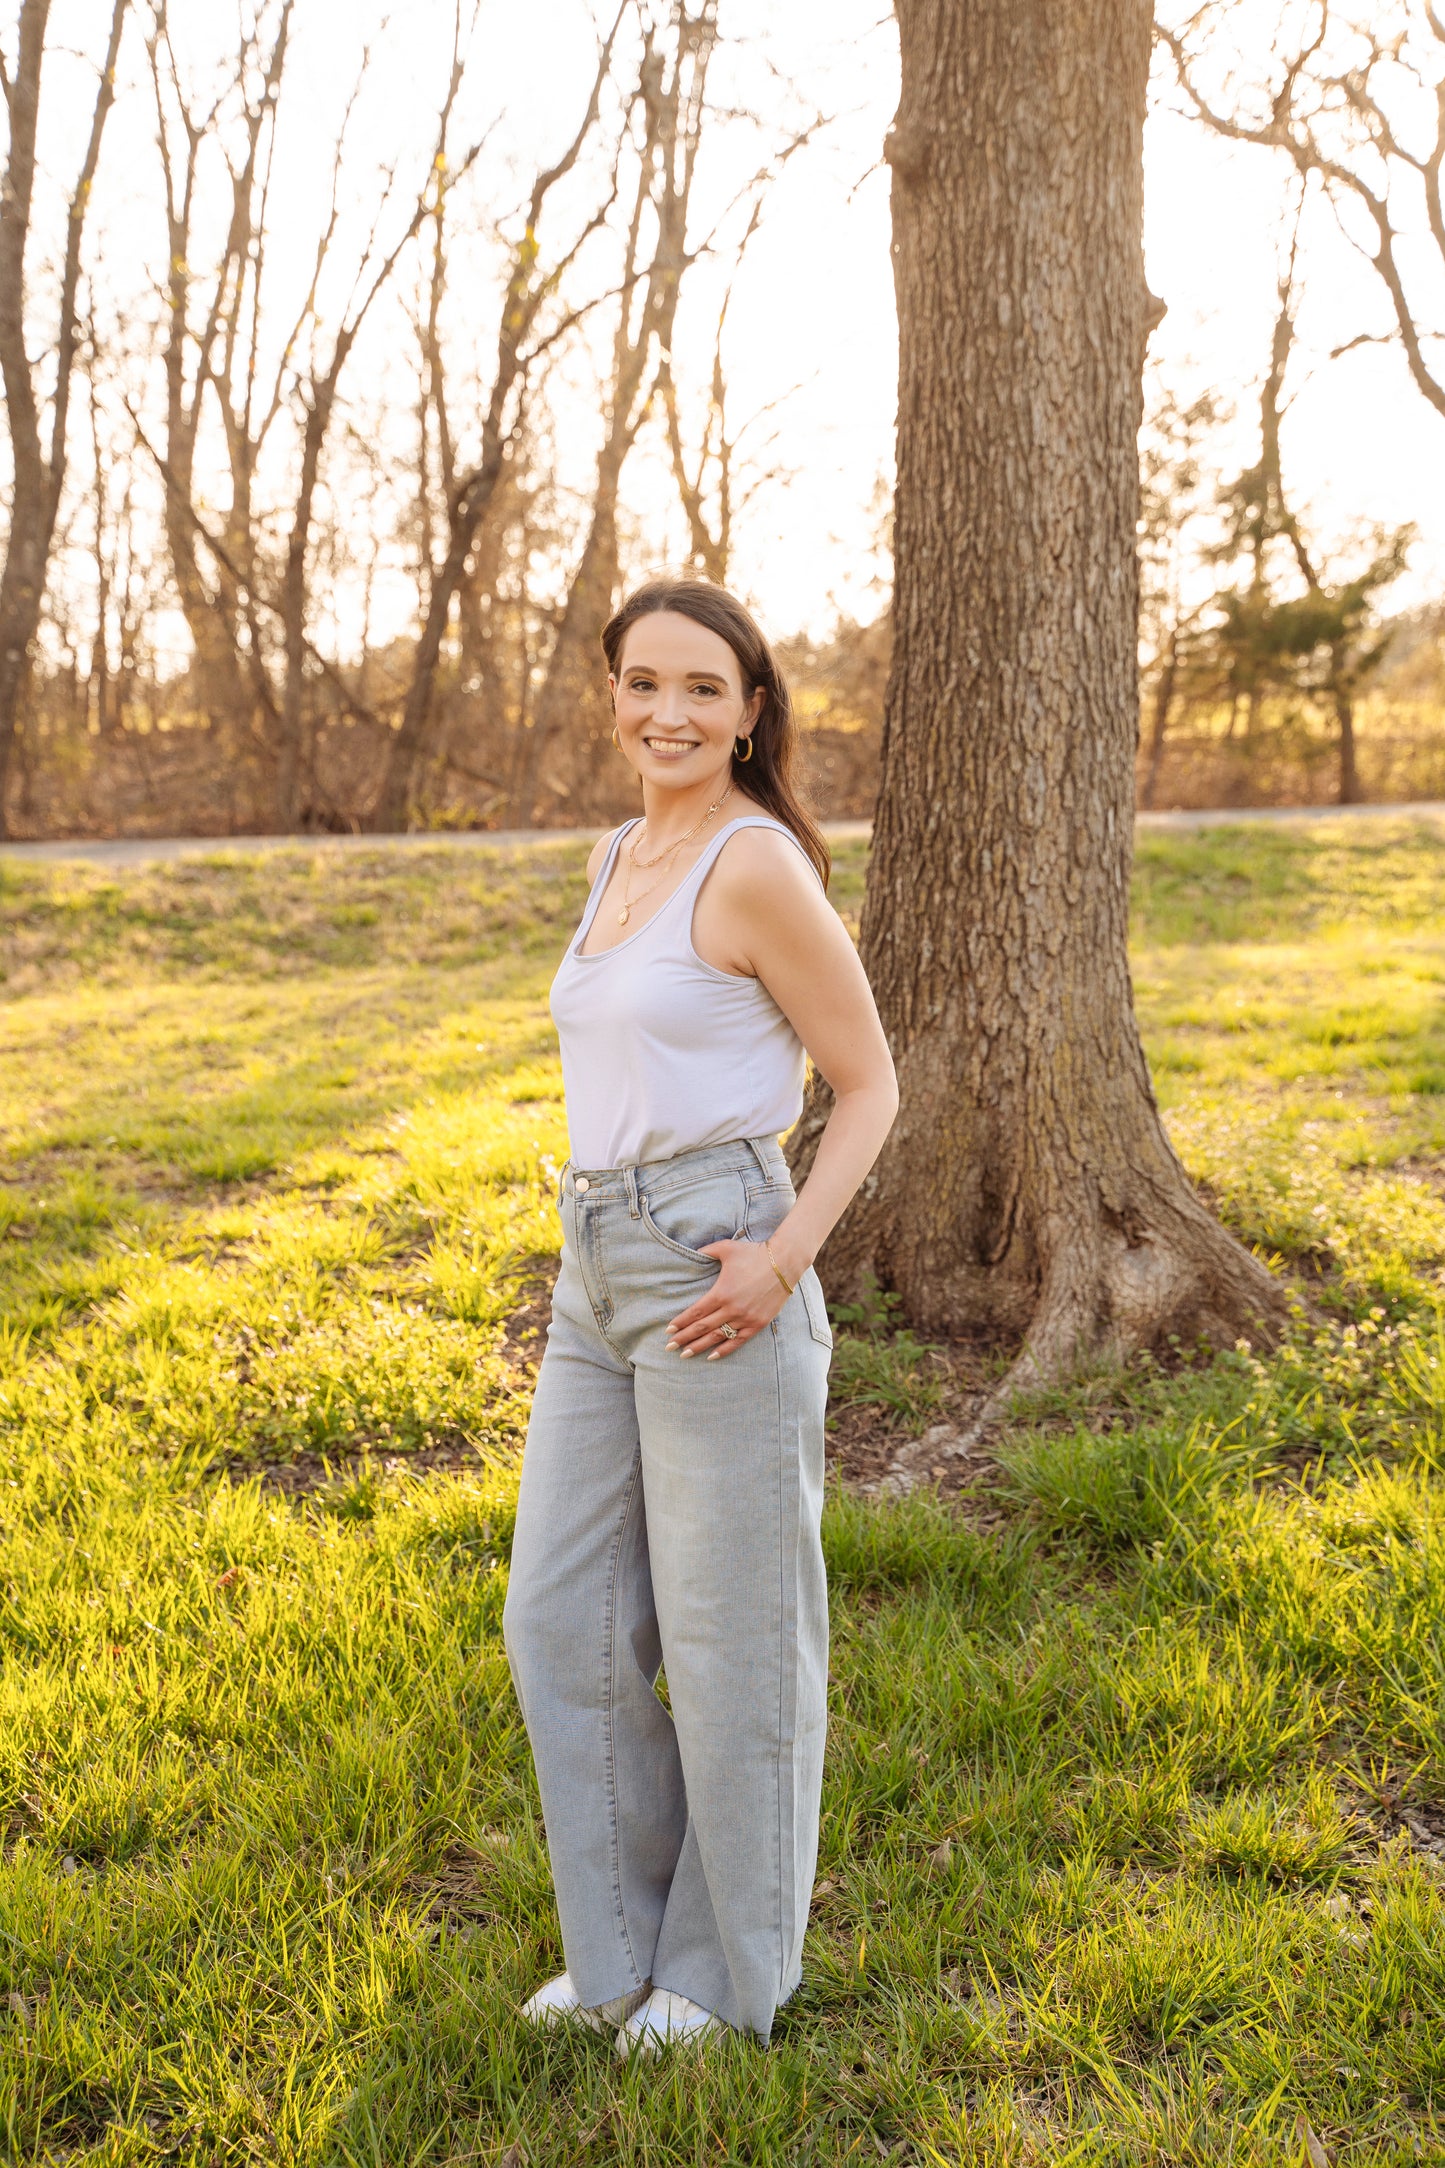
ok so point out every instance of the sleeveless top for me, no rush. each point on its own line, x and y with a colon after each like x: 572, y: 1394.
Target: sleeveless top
x: 662, y: 1052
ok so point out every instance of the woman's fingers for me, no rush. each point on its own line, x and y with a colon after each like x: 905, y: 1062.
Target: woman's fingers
x: 746, y: 1309
x: 690, y: 1338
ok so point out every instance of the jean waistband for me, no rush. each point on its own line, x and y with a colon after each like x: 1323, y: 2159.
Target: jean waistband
x: 654, y: 1177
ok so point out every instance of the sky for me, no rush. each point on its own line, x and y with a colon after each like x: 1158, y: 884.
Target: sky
x: 811, y: 347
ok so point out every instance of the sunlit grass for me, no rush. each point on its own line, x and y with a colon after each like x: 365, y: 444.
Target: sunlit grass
x: 1122, y: 1856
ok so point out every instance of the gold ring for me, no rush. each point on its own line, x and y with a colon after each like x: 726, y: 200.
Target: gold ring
x: 729, y: 1332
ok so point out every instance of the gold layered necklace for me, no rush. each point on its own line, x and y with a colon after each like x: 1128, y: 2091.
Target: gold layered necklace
x: 631, y: 860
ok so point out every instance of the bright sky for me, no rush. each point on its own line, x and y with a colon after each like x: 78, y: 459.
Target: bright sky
x: 811, y: 333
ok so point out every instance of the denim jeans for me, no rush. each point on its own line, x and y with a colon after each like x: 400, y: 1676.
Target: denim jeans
x: 669, y: 1518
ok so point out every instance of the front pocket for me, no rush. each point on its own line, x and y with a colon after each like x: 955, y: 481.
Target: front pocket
x: 767, y: 1206
x: 816, y: 1308
x: 711, y: 1210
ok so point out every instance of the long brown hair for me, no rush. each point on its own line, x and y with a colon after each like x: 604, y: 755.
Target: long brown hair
x: 770, y: 775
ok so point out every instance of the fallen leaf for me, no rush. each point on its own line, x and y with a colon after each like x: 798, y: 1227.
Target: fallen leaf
x: 1313, y: 2144
x: 70, y: 1864
x: 225, y: 1579
x: 514, y: 2157
x: 942, y: 1853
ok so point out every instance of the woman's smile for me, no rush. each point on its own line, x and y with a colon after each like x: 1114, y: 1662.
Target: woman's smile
x: 671, y: 748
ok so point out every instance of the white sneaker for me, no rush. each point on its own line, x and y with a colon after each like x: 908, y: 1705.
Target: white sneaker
x: 558, y: 2003
x: 667, y: 2020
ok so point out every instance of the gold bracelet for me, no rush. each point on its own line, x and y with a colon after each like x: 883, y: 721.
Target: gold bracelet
x: 775, y: 1265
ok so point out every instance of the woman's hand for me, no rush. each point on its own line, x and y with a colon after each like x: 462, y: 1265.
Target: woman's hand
x: 747, y: 1294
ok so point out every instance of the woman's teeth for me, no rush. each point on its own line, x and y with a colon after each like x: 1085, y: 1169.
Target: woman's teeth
x: 670, y: 745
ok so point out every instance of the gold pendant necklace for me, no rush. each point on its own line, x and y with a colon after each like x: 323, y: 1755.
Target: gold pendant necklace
x: 631, y: 860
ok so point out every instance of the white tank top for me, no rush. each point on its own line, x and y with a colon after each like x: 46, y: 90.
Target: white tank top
x: 662, y: 1052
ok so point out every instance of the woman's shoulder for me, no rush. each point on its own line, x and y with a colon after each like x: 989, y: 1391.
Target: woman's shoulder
x: 597, y: 856
x: 766, y: 853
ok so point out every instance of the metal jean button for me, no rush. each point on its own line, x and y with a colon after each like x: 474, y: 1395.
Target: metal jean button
x: 581, y: 1184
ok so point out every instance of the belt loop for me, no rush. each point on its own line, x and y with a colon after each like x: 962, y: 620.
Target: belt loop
x: 754, y: 1145
x: 632, y: 1204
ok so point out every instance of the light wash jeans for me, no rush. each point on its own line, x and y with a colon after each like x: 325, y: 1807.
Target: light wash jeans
x: 669, y: 1516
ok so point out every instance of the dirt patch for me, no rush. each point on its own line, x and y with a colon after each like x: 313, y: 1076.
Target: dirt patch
x: 310, y: 1472
x: 525, y: 1332
x: 1422, y: 1824
x: 1428, y: 1172
x: 459, y: 1896
x: 871, y: 1452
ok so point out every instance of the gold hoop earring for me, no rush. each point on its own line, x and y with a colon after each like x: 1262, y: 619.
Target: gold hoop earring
x: 740, y: 757
x: 615, y: 739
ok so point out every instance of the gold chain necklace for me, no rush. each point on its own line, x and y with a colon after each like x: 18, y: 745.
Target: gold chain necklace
x: 630, y: 861
x: 647, y: 864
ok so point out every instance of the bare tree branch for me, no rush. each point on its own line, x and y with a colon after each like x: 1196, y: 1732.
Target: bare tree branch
x: 1329, y: 116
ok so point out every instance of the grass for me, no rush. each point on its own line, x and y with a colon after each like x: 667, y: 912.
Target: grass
x: 1134, y: 1835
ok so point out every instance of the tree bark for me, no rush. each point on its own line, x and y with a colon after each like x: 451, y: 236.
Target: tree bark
x: 1028, y: 1189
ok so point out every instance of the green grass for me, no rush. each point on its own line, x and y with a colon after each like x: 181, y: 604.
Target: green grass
x: 1126, y: 1851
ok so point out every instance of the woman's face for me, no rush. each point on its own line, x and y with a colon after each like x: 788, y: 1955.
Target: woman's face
x: 679, y: 699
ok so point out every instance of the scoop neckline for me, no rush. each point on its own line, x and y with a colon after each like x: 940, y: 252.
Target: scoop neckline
x: 575, y: 951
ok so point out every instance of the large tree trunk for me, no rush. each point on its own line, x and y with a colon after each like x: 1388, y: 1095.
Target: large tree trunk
x: 1028, y: 1189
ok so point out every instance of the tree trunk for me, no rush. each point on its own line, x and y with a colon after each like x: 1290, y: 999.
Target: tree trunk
x: 1163, y: 708
x: 37, y: 480
x: 1028, y: 1189
x: 574, y: 718
x: 1349, y: 772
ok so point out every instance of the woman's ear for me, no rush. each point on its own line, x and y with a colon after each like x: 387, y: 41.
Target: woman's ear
x: 753, y: 710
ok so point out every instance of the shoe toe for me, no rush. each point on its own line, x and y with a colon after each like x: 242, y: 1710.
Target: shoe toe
x: 666, y: 2020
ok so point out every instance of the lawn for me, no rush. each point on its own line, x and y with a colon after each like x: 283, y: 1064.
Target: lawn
x: 1134, y: 1835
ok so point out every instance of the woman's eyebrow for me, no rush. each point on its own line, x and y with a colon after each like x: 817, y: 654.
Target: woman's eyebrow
x: 646, y: 669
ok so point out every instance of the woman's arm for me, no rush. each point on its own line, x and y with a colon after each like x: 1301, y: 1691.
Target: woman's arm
x: 782, y: 928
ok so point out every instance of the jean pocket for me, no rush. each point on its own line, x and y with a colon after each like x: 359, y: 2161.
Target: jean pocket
x: 816, y: 1308
x: 713, y: 1209
x: 767, y: 1206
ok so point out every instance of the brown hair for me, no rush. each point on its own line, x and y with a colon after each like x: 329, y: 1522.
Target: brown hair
x: 770, y: 774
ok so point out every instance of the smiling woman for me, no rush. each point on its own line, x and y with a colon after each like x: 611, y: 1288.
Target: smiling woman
x: 670, y: 1517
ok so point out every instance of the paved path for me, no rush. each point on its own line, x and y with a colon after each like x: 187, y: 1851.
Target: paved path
x: 145, y: 850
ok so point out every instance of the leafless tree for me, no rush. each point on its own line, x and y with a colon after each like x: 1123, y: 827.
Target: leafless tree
x: 38, y: 472
x: 572, y: 724
x: 1175, y: 502
x: 246, y: 614
x: 522, y: 340
x: 1354, y: 95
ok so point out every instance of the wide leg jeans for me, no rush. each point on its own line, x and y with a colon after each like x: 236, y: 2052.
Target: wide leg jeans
x: 669, y: 1520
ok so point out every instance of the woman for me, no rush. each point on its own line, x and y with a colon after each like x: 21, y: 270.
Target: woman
x: 672, y: 1482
